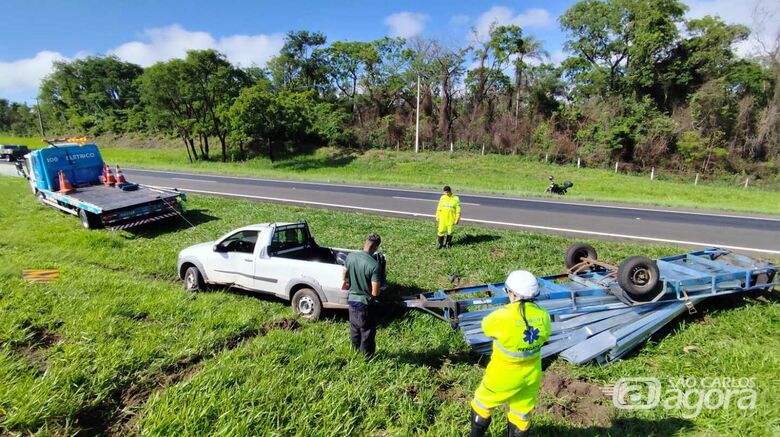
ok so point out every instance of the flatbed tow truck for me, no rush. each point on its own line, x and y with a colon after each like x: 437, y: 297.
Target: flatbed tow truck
x: 97, y: 204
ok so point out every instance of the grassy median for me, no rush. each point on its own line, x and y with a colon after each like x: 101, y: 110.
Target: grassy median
x: 116, y: 346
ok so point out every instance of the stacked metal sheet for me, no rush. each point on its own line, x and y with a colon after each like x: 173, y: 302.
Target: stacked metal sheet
x: 592, y: 318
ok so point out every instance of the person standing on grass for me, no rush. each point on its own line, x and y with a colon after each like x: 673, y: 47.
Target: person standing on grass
x: 447, y: 216
x: 514, y: 374
x: 362, y: 276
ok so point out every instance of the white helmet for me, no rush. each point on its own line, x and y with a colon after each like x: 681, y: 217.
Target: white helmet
x: 522, y: 284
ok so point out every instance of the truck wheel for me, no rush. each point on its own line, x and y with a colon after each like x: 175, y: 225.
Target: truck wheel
x: 89, y: 220
x: 576, y: 252
x: 306, y: 304
x: 640, y: 278
x: 193, y: 280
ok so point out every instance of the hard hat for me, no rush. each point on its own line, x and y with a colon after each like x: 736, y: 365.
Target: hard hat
x: 522, y: 284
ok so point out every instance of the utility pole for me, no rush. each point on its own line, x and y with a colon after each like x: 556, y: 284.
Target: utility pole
x: 40, y: 119
x: 417, y: 125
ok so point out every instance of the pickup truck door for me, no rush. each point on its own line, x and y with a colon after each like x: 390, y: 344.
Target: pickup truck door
x: 233, y: 261
x: 273, y: 270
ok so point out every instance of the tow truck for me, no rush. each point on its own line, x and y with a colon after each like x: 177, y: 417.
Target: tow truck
x: 98, y: 204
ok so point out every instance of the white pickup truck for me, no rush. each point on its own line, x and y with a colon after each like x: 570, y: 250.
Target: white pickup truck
x: 275, y: 258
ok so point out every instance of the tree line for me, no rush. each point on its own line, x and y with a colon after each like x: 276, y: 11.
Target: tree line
x: 642, y: 85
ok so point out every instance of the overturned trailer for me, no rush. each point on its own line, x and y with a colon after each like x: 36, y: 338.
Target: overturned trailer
x: 599, y: 311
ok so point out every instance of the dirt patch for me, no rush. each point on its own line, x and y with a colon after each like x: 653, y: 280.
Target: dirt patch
x: 449, y: 392
x: 574, y: 401
x: 497, y: 253
x: 34, y: 347
x: 285, y: 324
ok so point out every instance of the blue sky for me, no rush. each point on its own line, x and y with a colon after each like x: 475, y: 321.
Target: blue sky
x: 38, y: 32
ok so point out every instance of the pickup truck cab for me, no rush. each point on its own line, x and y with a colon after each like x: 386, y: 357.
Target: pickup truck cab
x: 281, y: 259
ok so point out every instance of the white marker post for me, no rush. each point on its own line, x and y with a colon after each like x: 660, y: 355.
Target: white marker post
x: 616, y: 166
x: 652, y: 173
x: 696, y: 182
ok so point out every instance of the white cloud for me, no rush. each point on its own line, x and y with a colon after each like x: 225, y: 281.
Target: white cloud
x: 500, y: 15
x: 22, y: 77
x: 459, y: 20
x: 174, y: 41
x: 761, y: 16
x: 406, y: 24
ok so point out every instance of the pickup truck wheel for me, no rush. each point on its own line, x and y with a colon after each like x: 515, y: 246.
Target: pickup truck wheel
x: 306, y: 304
x: 89, y: 220
x: 193, y: 280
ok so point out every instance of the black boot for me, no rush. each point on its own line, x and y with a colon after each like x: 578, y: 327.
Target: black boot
x: 440, y: 244
x: 513, y: 431
x: 449, y: 241
x: 479, y: 425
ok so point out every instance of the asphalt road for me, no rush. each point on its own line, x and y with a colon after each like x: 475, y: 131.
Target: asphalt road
x: 741, y: 232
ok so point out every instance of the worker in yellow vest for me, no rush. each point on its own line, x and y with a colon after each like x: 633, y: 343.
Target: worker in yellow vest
x: 447, y: 216
x: 514, y: 373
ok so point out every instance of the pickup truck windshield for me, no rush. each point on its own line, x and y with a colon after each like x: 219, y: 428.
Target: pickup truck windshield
x: 243, y: 241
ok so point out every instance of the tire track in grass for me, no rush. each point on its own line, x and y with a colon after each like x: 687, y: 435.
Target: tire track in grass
x: 118, y: 414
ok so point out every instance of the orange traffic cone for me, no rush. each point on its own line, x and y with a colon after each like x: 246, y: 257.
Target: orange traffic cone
x: 110, y: 180
x: 120, y: 178
x: 65, y: 186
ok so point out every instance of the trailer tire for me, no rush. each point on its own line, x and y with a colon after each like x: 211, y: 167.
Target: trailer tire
x: 307, y: 304
x: 576, y: 252
x: 40, y: 196
x: 89, y: 220
x: 639, y: 277
x: 193, y: 280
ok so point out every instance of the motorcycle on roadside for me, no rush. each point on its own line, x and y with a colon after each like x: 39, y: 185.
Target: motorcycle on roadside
x: 559, y: 189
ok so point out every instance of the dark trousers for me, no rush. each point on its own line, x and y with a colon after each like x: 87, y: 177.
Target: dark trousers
x: 362, y: 330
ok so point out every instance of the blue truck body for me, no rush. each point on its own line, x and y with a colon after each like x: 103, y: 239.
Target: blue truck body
x: 96, y: 204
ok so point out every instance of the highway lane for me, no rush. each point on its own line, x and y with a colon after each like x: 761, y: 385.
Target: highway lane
x: 743, y: 232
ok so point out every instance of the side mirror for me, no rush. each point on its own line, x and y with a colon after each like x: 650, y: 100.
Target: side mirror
x: 218, y: 248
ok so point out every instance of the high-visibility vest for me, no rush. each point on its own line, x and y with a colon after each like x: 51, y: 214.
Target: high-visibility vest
x: 516, y: 340
x: 449, y: 208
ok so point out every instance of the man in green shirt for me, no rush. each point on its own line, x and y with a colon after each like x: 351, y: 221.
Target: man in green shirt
x: 363, y: 277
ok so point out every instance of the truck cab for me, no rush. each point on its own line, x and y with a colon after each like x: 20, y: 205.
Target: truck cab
x: 281, y: 259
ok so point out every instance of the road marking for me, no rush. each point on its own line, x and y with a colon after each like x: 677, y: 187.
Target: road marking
x: 194, y: 180
x: 430, y: 200
x: 489, y: 222
x: 484, y: 196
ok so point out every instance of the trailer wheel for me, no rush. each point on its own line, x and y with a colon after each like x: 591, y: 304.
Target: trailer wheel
x: 639, y: 277
x: 89, y: 220
x: 307, y: 304
x: 39, y: 195
x: 193, y: 280
x: 576, y: 252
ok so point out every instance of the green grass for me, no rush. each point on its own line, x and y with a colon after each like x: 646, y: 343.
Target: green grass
x: 117, y: 343
x: 32, y: 143
x: 503, y: 174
